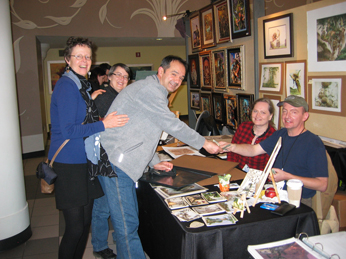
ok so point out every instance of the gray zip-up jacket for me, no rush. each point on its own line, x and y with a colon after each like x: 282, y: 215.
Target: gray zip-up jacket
x: 132, y: 147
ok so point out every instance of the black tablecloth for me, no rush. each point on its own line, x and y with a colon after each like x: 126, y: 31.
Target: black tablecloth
x: 163, y: 236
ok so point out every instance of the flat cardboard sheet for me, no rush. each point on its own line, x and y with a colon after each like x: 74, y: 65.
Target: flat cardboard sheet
x: 220, y: 167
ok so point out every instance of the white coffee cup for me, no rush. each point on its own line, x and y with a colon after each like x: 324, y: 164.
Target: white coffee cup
x: 294, y: 190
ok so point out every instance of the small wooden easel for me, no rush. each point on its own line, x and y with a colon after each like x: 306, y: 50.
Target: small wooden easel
x: 268, y: 170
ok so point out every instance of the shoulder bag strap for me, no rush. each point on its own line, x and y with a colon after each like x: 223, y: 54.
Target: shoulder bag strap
x: 57, y: 152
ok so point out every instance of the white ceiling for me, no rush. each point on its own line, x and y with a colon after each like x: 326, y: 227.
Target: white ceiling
x: 60, y: 41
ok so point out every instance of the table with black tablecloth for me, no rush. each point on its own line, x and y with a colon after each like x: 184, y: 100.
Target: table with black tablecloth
x: 164, y: 236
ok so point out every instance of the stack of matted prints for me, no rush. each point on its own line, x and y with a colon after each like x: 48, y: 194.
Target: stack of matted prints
x: 194, y: 202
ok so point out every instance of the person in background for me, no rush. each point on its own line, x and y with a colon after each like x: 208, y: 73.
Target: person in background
x: 97, y: 78
x: 132, y: 148
x: 74, y: 116
x: 302, y: 155
x: 118, y: 77
x: 106, y: 67
x: 253, y: 132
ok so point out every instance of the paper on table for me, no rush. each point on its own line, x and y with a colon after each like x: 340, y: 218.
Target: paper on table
x: 176, y: 152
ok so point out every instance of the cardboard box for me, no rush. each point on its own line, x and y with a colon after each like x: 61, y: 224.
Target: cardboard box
x: 220, y: 167
x: 339, y: 202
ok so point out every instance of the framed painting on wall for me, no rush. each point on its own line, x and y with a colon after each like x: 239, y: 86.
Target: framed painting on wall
x: 194, y: 71
x: 277, y: 115
x: 205, y: 70
x: 327, y: 95
x: 195, y: 98
x: 296, y: 78
x: 196, y: 37
x: 219, y: 107
x: 219, y: 70
x: 326, y: 38
x: 235, y: 60
x: 278, y: 36
x: 231, y: 110
x: 139, y: 67
x: 240, y: 18
x: 208, y: 28
x: 244, y: 102
x: 55, y: 71
x: 271, y: 77
x: 206, y: 103
x: 222, y: 30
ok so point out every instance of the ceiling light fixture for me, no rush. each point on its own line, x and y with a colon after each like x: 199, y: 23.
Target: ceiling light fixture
x: 186, y: 13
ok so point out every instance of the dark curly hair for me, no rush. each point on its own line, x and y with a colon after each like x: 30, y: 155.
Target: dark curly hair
x: 73, y: 42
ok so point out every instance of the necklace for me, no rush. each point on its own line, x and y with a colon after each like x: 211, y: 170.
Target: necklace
x: 289, y: 151
x: 256, y: 136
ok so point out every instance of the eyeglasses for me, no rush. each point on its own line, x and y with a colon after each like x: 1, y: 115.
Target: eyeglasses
x: 80, y: 57
x: 119, y: 76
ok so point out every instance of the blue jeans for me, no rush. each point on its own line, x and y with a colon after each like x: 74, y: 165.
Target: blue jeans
x: 99, y: 223
x: 122, y: 203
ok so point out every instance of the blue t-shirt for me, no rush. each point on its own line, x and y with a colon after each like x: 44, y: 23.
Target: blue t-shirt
x: 303, y: 155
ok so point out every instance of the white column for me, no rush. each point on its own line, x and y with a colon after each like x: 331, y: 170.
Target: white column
x: 14, y: 213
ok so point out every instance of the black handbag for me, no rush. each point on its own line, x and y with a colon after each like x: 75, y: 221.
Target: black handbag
x: 45, y: 171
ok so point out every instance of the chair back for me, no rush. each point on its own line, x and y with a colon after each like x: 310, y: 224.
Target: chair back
x: 322, y: 201
x: 206, y: 125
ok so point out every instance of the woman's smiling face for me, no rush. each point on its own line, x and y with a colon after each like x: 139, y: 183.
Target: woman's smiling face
x: 80, y: 66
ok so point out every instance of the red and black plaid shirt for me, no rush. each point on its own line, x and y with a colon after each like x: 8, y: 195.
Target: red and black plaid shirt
x: 244, y: 135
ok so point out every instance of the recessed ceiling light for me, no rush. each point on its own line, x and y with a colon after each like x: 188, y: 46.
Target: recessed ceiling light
x: 158, y: 38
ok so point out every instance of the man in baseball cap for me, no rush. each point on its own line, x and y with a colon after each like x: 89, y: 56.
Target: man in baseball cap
x: 295, y: 101
x: 302, y: 155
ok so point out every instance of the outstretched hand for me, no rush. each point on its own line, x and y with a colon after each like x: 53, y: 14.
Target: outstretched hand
x: 211, y: 147
x: 97, y: 93
x: 112, y: 120
x: 164, y: 166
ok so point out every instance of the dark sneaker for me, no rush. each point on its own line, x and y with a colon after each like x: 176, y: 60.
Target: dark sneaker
x: 105, y: 254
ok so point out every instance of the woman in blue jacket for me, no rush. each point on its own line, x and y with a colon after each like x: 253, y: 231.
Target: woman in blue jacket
x: 74, y: 116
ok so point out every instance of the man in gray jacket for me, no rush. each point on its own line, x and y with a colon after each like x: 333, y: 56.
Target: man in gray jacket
x: 132, y: 147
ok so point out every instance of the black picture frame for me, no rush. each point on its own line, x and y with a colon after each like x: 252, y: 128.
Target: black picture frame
x: 235, y: 66
x: 206, y: 102
x: 219, y: 107
x: 231, y: 110
x: 194, y: 71
x: 278, y: 36
x: 240, y: 18
x: 195, y: 99
x: 244, y: 102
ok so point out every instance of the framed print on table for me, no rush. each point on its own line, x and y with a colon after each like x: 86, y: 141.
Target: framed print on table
x: 278, y: 36
x: 196, y: 37
x: 277, y: 115
x: 208, y: 28
x: 327, y: 95
x: 206, y: 103
x: 55, y: 71
x: 271, y: 77
x: 222, y: 30
x: 235, y: 60
x: 219, y: 107
x: 296, y: 78
x: 326, y: 38
x: 240, y: 18
x: 194, y: 71
x: 195, y: 99
x: 219, y: 70
x: 231, y: 110
x: 205, y: 70
x: 244, y: 102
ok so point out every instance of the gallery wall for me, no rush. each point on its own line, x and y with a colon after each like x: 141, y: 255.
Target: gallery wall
x: 324, y: 120
x: 30, y: 19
